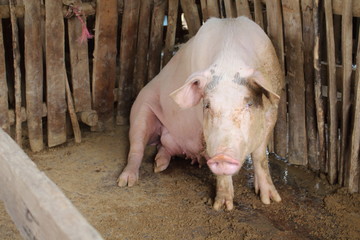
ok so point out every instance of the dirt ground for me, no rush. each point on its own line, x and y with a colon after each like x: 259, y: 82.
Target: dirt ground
x: 176, y: 204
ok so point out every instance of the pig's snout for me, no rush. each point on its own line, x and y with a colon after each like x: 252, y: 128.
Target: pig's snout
x: 222, y: 164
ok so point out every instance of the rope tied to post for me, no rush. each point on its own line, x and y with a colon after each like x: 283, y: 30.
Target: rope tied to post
x: 76, y: 11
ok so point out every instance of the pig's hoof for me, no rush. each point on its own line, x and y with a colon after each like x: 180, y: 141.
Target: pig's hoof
x: 268, y: 193
x: 223, y: 201
x: 161, y: 163
x: 127, y: 178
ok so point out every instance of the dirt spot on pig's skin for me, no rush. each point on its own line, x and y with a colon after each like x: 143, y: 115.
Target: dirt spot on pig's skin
x: 177, y: 203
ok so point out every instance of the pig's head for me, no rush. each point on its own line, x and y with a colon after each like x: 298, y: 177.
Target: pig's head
x: 234, y: 118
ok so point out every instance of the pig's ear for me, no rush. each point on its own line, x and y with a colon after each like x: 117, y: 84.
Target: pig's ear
x: 191, y: 92
x: 257, y: 79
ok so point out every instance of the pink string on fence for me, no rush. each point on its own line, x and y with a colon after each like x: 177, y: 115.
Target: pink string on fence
x: 85, y: 34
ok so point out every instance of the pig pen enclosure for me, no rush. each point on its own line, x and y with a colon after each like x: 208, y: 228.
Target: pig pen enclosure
x: 69, y: 72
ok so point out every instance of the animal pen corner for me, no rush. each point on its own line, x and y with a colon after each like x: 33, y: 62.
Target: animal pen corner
x: 51, y: 82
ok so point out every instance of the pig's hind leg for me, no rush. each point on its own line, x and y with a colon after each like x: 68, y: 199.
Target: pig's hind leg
x: 144, y: 128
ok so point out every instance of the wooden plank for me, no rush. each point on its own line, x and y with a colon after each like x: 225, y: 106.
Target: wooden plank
x: 320, y: 112
x: 36, y: 205
x: 354, y: 169
x: 242, y: 8
x: 129, y: 30
x: 204, y: 10
x: 338, y: 7
x: 191, y: 15
x: 259, y: 19
x: 104, y: 68
x: 4, y: 105
x: 141, y: 66
x: 79, y: 62
x: 171, y: 30
x: 17, y: 73
x: 230, y: 9
x: 213, y: 8
x: 346, y: 46
x: 71, y: 110
x: 296, y: 82
x: 55, y: 73
x: 34, y: 73
x: 156, y: 37
x: 275, y: 32
x: 332, y: 98
x: 308, y: 41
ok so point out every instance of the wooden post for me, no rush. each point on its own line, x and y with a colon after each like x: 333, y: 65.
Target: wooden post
x: 171, y: 31
x: 156, y: 36
x: 213, y: 9
x: 4, y: 117
x: 79, y: 62
x: 346, y: 46
x: 230, y: 9
x: 36, y: 205
x: 34, y: 73
x: 317, y: 89
x: 354, y: 171
x: 55, y: 73
x: 258, y: 13
x: 17, y: 72
x: 308, y: 38
x: 72, y: 113
x: 332, y: 96
x: 204, y: 10
x: 104, y: 70
x: 141, y: 66
x: 242, y: 8
x: 129, y: 30
x: 275, y: 32
x: 191, y: 15
x: 296, y: 82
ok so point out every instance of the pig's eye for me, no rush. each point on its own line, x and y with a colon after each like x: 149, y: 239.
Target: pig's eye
x: 206, y: 105
x: 249, y: 104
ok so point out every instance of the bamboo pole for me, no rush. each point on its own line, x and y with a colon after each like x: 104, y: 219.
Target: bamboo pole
x: 73, y: 117
x: 296, y: 82
x: 142, y: 46
x: 171, y: 31
x: 4, y: 105
x: 308, y: 41
x: 242, y: 8
x: 275, y: 32
x: 346, y: 43
x: 354, y: 170
x: 129, y: 30
x: 259, y: 19
x: 17, y: 72
x: 332, y: 98
x: 317, y: 89
x: 156, y: 37
x: 191, y: 15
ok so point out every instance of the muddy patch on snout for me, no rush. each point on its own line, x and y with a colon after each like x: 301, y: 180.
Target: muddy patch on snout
x: 177, y: 203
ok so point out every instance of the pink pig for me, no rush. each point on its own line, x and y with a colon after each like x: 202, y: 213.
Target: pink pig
x: 216, y: 100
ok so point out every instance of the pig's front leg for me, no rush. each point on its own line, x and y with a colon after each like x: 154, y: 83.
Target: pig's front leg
x: 224, y: 192
x: 263, y: 182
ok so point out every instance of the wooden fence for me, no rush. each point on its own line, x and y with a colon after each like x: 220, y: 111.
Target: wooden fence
x: 48, y: 77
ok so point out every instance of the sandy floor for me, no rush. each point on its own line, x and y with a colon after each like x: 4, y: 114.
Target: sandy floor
x: 176, y: 204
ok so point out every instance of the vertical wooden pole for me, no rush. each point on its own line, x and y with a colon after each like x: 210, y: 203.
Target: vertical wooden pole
x: 4, y: 106
x: 346, y: 46
x: 258, y: 13
x: 354, y: 169
x: 332, y: 96
x: 129, y: 30
x: 275, y: 32
x: 230, y: 9
x: 17, y: 73
x: 296, y: 82
x: 204, y: 10
x: 213, y: 9
x: 156, y: 37
x: 104, y: 70
x: 171, y: 30
x: 242, y: 8
x: 317, y: 89
x: 79, y: 62
x: 34, y: 73
x: 308, y: 40
x: 142, y: 46
x: 55, y: 72
x: 191, y: 15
